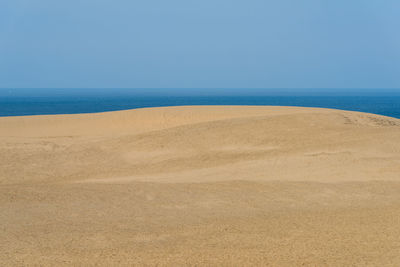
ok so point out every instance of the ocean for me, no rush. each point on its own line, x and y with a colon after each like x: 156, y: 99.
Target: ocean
x: 19, y: 106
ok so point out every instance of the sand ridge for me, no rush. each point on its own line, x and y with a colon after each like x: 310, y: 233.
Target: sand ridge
x: 201, y: 185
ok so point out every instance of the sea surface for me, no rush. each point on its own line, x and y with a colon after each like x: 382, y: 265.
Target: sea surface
x: 19, y: 106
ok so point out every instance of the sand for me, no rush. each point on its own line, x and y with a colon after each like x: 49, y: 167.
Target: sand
x: 201, y: 185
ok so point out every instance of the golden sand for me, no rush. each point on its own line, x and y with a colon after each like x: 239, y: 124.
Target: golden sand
x: 201, y: 185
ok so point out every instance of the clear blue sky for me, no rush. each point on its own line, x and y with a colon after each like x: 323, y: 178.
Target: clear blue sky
x: 200, y: 44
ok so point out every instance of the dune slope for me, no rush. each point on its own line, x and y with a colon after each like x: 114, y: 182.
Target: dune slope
x: 201, y: 185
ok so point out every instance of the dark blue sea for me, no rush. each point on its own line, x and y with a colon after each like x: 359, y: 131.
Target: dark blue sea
x: 18, y: 106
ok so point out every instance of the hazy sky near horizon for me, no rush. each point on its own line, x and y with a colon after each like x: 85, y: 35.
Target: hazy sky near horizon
x: 199, y: 44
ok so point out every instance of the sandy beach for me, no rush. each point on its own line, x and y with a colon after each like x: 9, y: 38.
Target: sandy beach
x: 201, y: 185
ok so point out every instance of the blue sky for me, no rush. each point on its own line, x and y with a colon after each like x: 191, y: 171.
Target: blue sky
x: 199, y: 44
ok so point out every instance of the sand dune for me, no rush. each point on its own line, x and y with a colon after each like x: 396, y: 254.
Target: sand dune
x: 201, y: 185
